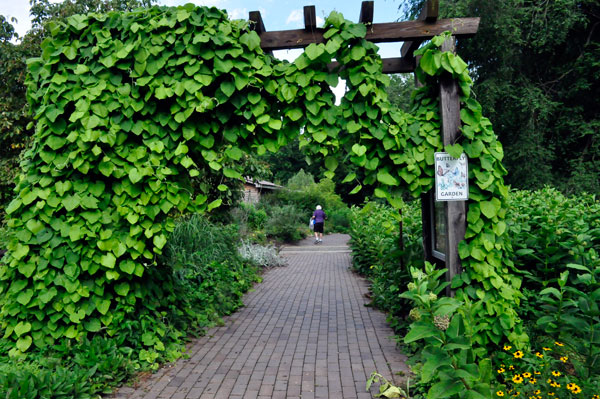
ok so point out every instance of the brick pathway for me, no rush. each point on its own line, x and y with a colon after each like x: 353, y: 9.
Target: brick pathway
x: 304, y: 333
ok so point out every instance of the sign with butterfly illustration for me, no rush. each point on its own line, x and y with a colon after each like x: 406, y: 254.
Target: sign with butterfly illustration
x: 451, y: 177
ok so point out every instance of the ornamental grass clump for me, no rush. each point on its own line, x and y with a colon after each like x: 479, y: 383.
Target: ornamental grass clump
x: 537, y: 374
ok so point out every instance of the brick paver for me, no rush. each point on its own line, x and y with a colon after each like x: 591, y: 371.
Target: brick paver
x: 304, y: 333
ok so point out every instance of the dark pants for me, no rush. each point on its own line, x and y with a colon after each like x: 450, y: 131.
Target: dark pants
x: 319, y: 227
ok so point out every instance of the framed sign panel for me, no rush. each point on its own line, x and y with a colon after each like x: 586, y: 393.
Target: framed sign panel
x: 451, y: 177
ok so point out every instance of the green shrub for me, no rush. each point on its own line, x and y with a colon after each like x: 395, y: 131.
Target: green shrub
x: 286, y: 224
x: 550, y: 231
x: 338, y: 221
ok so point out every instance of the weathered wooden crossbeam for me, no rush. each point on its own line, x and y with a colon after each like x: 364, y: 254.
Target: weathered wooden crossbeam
x: 429, y: 14
x: 412, y: 33
x: 377, y: 33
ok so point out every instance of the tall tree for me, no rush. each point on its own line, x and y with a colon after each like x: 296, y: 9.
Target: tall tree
x: 400, y: 89
x: 536, y: 66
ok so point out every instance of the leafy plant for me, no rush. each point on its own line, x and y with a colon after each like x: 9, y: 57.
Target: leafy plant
x: 285, y: 223
x: 572, y: 313
x: 386, y: 388
x: 453, y: 363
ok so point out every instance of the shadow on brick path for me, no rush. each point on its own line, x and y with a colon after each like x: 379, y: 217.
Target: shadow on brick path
x: 304, y: 333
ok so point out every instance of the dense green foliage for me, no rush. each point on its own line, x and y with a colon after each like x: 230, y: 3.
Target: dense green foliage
x: 557, y: 240
x: 205, y: 278
x: 80, y: 371
x: 536, y: 66
x: 15, y: 134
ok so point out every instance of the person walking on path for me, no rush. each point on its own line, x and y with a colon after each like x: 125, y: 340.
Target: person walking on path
x: 319, y: 217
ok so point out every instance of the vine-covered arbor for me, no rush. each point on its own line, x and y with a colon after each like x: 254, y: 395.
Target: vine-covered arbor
x: 133, y: 108
x: 412, y: 34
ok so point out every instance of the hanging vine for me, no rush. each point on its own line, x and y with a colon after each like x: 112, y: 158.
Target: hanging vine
x: 130, y: 107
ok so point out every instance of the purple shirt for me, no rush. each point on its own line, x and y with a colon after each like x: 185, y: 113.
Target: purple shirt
x: 319, y: 216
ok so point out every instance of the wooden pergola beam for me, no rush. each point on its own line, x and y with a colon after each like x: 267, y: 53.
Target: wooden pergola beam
x: 377, y: 33
x: 456, y: 212
x: 258, y: 25
x: 428, y: 14
x: 390, y: 65
x: 366, y: 12
x: 310, y: 18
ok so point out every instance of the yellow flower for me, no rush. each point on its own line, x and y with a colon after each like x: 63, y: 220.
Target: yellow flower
x: 573, y: 388
x: 555, y: 384
x: 546, y: 349
x: 507, y: 347
x: 517, y: 379
x: 532, y: 381
x: 556, y: 373
x: 501, y: 370
x: 550, y: 393
x: 538, y: 354
x: 549, y: 380
x: 558, y: 344
x: 537, y: 391
x: 500, y: 393
x: 511, y: 367
x: 526, y: 375
x: 537, y: 373
x: 596, y: 397
x: 564, y: 359
x: 518, y: 354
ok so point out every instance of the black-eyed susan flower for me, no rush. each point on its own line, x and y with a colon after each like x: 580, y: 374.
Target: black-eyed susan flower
x: 511, y: 367
x: 564, y: 359
x: 501, y: 370
x: 518, y: 354
x: 517, y: 379
x: 537, y: 391
x: 550, y: 393
x: 507, y: 347
x: 500, y: 393
x: 526, y: 374
x: 538, y: 354
x: 556, y: 373
x: 558, y: 343
x: 546, y: 349
x: 533, y: 381
x: 573, y: 387
x: 537, y: 373
x: 596, y: 397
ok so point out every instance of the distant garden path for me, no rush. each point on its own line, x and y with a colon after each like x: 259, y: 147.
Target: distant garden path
x: 304, y: 333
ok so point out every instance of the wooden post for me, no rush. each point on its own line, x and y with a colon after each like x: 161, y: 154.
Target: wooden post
x: 455, y: 210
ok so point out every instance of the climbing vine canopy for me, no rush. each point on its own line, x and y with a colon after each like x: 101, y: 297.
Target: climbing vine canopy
x: 132, y: 107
